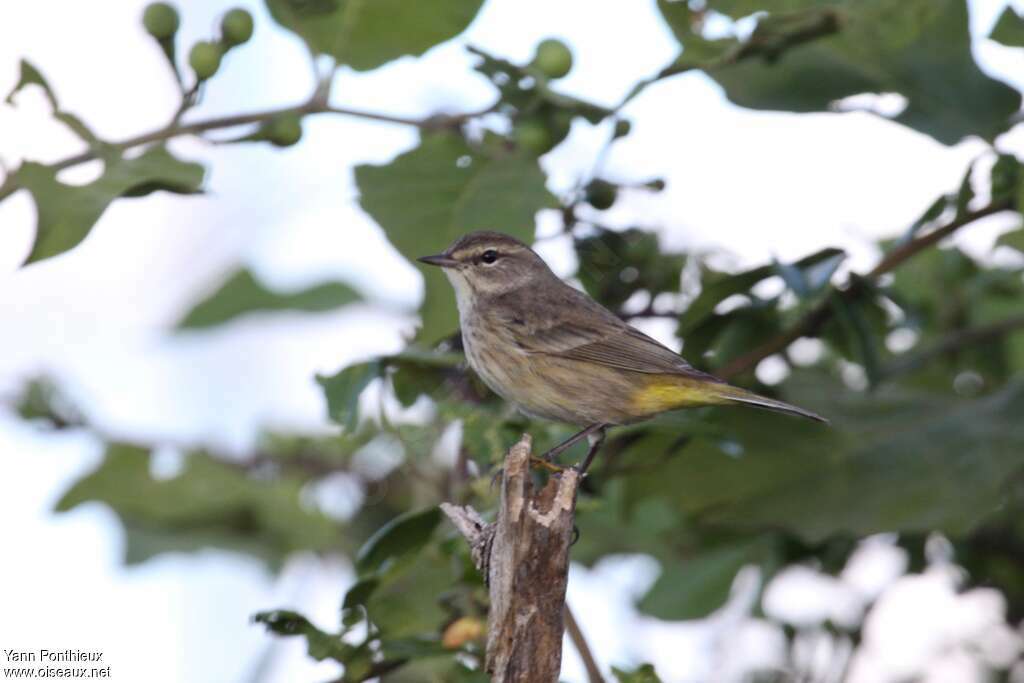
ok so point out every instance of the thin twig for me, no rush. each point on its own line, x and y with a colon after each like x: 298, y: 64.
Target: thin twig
x: 572, y: 627
x: 767, y: 47
x: 812, y: 321
x: 315, y: 105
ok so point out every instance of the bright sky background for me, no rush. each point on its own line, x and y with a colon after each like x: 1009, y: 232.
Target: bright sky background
x: 757, y: 185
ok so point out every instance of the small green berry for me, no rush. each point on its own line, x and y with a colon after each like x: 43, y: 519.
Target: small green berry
x: 205, y: 59
x: 553, y: 58
x: 284, y: 130
x: 601, y: 194
x: 622, y: 128
x: 236, y: 27
x: 533, y: 136
x: 160, y: 20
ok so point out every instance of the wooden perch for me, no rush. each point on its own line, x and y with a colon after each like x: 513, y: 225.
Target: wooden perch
x: 524, y: 555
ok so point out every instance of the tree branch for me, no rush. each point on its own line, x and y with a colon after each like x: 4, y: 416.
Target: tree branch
x: 524, y: 556
x: 572, y: 627
x: 812, y: 321
x: 955, y: 342
x: 315, y: 105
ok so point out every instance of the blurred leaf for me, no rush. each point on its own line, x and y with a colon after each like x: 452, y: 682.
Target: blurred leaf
x: 242, y: 293
x: 695, y: 585
x: 918, y: 48
x: 208, y: 504
x: 716, y: 287
x: 862, y: 337
x: 399, y: 538
x: 66, y: 213
x: 320, y: 645
x: 30, y: 75
x: 932, y: 213
x: 1014, y: 239
x: 965, y: 194
x: 614, y: 265
x: 416, y: 372
x: 1006, y: 181
x: 897, y: 460
x: 642, y: 674
x: 343, y: 389
x: 426, y: 198
x: 1009, y: 30
x: 366, y: 35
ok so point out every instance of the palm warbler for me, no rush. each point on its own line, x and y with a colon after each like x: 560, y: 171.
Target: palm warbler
x: 557, y: 354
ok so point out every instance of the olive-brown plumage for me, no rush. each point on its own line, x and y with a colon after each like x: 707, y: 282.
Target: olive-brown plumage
x: 558, y: 354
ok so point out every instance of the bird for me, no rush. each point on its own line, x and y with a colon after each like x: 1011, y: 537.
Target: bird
x: 556, y: 354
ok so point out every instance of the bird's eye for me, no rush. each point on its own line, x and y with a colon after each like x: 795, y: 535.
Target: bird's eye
x: 489, y: 256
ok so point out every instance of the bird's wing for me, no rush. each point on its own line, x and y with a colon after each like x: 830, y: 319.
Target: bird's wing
x: 600, y: 337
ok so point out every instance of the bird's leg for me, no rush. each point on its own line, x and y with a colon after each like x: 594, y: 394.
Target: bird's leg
x: 596, y: 440
x: 568, y: 443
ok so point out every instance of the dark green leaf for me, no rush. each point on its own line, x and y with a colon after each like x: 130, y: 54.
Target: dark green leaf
x: 965, y: 193
x: 242, y: 293
x: 401, y: 537
x: 320, y: 645
x: 1013, y: 239
x: 1009, y: 30
x: 918, y: 48
x: 365, y: 35
x: 614, y: 265
x: 642, y: 674
x: 426, y: 198
x: 66, y: 213
x: 934, y: 210
x: 1006, y: 179
x: 717, y: 287
x: 853, y: 317
x: 343, y: 389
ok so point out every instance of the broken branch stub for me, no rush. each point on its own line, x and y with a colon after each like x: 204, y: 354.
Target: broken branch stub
x: 524, y: 555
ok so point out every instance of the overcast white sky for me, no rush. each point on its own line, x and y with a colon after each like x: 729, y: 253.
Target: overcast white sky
x: 756, y: 185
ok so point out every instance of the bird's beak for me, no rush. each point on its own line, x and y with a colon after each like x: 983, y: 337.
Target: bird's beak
x: 438, y: 260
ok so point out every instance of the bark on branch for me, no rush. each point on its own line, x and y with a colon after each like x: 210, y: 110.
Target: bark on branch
x: 524, y: 555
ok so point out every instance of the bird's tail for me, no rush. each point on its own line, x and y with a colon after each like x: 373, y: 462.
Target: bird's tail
x: 730, y: 394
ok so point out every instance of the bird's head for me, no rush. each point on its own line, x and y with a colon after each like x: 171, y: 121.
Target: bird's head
x: 488, y: 263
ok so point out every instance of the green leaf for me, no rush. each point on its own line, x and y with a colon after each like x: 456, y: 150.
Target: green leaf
x: 320, y: 645
x: 66, y: 213
x: 242, y: 293
x: 642, y: 674
x: 208, y: 504
x: 401, y: 537
x: 1009, y: 30
x: 30, y: 75
x: 696, y: 585
x: 343, y: 389
x: 717, y: 287
x: 920, y: 49
x: 898, y: 460
x: 442, y: 189
x: 1013, y: 239
x: 614, y: 265
x: 853, y: 317
x: 364, y: 35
